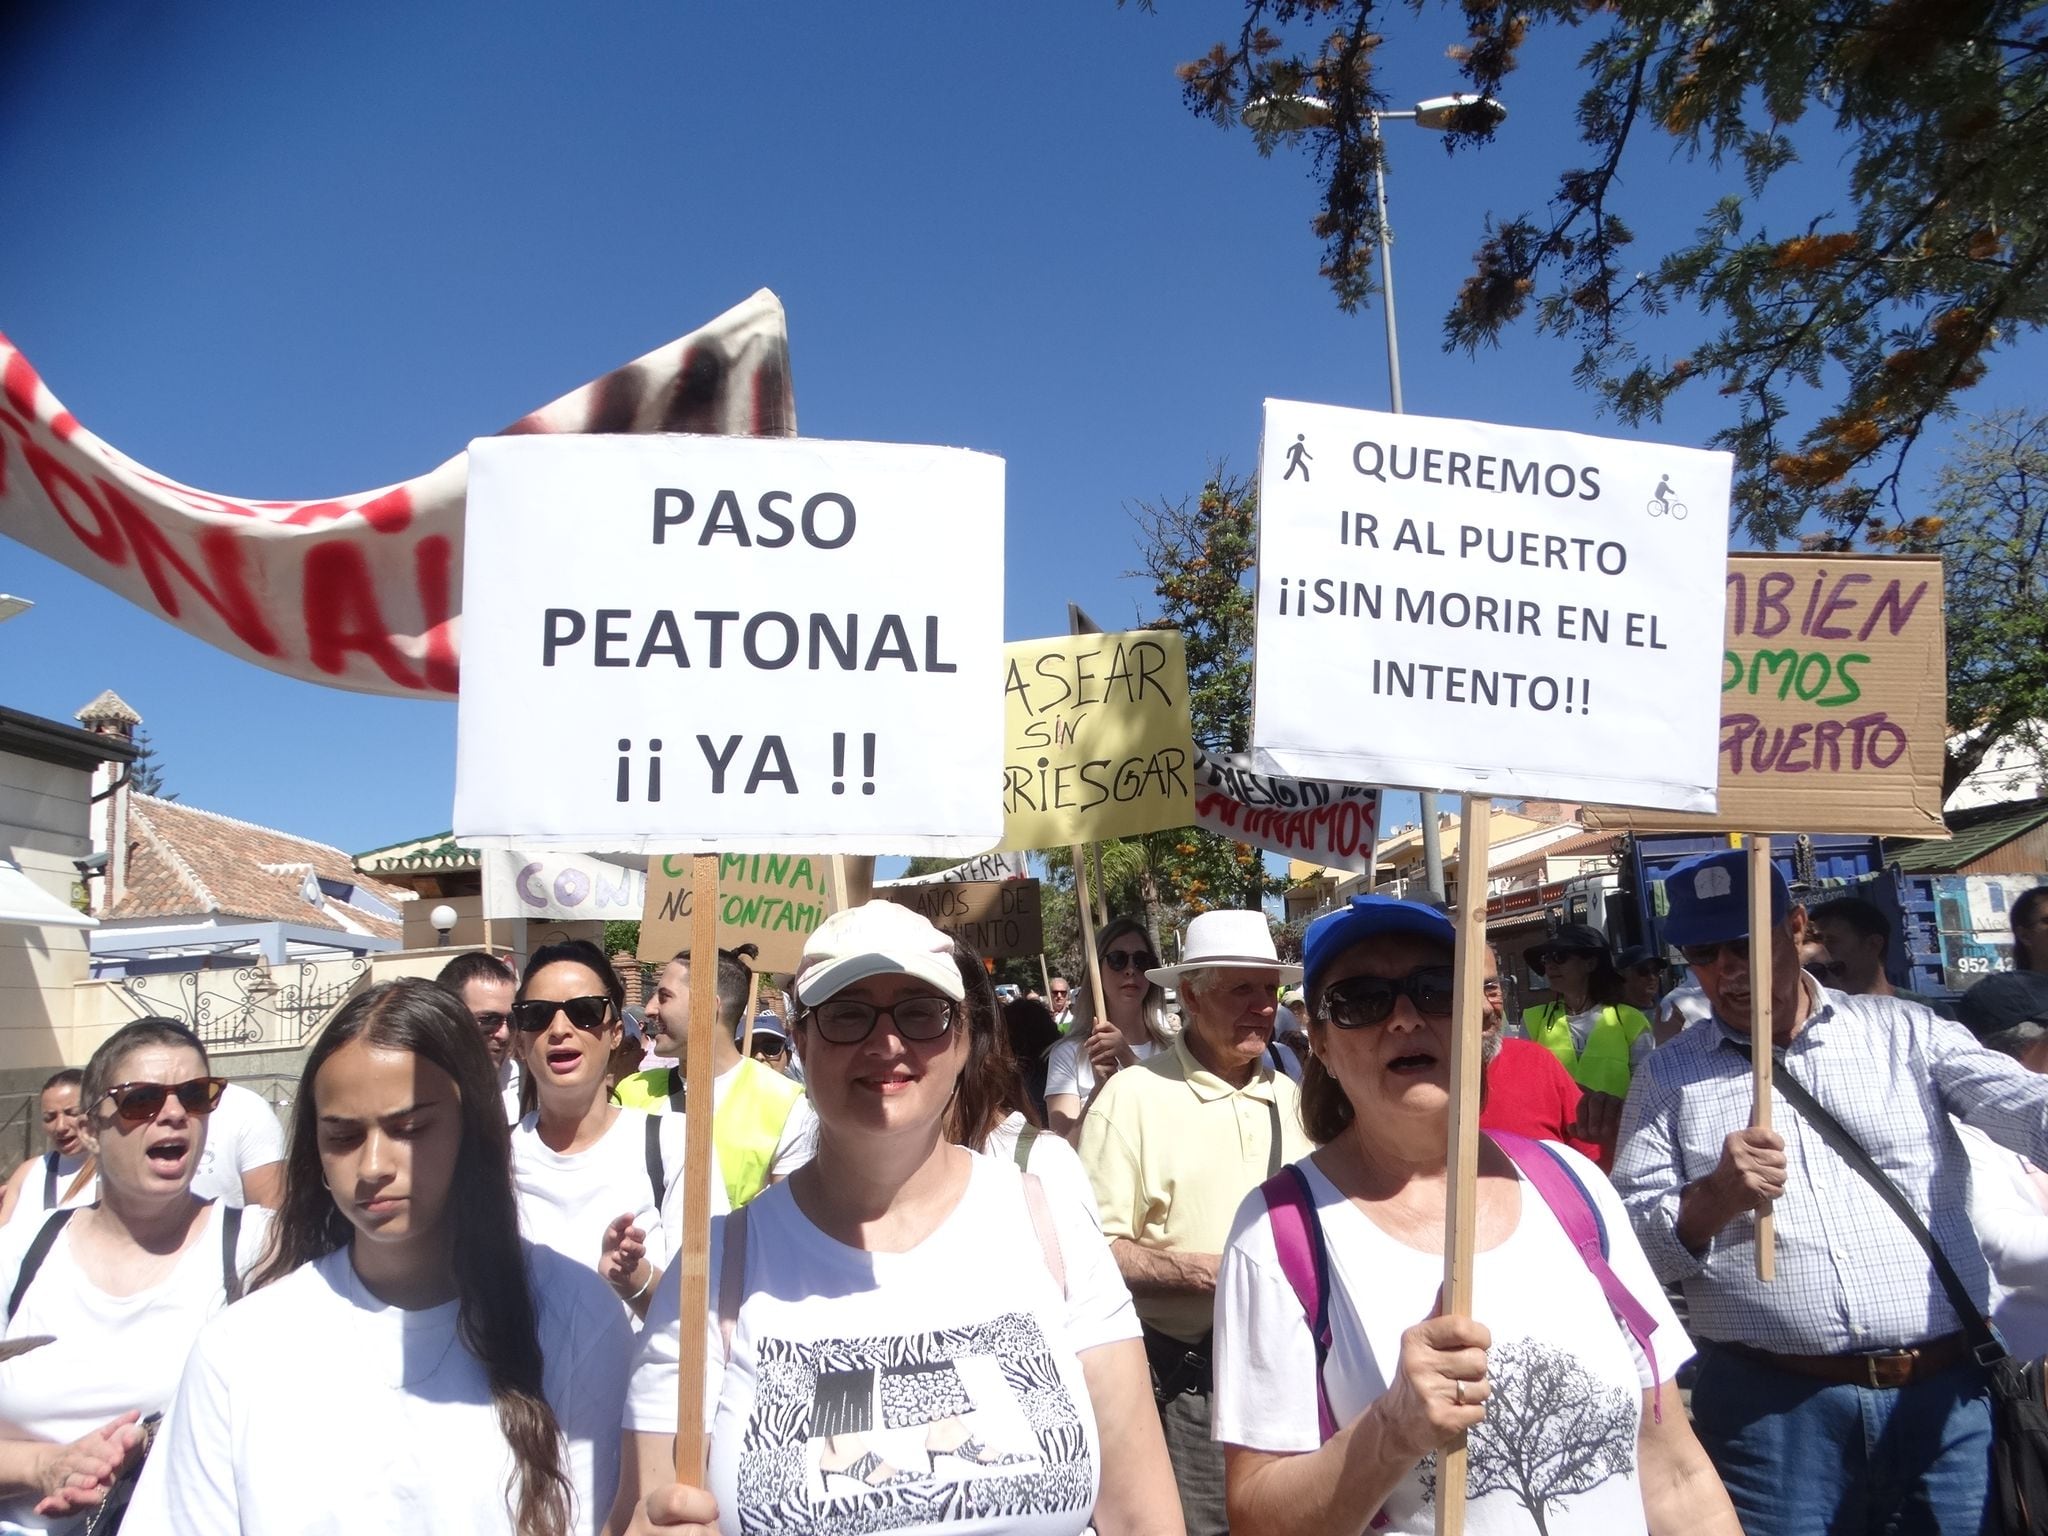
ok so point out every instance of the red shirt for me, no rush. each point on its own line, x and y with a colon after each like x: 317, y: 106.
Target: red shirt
x: 1529, y: 1092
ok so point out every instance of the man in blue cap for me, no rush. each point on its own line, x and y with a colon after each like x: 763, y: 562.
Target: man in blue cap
x: 1842, y: 1395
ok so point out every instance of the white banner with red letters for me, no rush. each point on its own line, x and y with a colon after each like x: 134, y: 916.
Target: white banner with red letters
x: 1335, y: 825
x: 360, y: 591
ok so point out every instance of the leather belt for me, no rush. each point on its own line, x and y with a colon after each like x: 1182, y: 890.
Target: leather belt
x: 1883, y: 1369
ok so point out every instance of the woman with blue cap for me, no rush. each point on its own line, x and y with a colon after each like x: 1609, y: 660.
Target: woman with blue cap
x: 1561, y: 1384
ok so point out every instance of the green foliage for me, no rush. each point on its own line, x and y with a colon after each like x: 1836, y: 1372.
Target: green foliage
x: 1866, y: 320
x: 621, y: 938
x: 146, y: 774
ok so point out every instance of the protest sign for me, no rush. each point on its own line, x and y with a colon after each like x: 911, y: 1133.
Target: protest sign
x: 1334, y: 825
x: 1496, y: 610
x: 989, y: 866
x: 771, y: 901
x: 356, y: 591
x: 1834, y: 700
x: 1097, y: 738
x: 730, y: 643
x: 561, y: 887
x: 997, y: 919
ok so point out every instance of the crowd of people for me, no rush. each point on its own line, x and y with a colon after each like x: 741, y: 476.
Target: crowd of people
x: 1127, y: 1264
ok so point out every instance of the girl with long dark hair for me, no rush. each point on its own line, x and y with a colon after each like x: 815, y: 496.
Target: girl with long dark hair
x: 405, y: 1362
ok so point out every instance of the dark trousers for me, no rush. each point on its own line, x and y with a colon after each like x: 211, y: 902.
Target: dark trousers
x: 1181, y: 1382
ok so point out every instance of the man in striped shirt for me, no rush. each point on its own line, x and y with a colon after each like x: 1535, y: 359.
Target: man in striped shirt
x: 1841, y: 1396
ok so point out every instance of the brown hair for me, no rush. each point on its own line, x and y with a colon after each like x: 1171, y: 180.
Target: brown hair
x: 1326, y: 1111
x: 495, y: 1312
x: 989, y: 1087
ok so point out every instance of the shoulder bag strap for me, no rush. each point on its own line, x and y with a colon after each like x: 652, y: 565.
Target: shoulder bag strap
x: 1559, y: 1189
x: 675, y: 1090
x: 1026, y: 1139
x: 657, y: 1175
x: 1048, y: 1234
x: 50, y: 1181
x: 1305, y: 1261
x: 230, y: 1240
x: 1984, y: 1343
x: 732, y: 1277
x: 31, y: 1261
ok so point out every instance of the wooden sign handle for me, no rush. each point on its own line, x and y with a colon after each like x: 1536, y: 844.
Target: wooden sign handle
x: 753, y: 998
x: 1088, y: 956
x: 1760, y: 1022
x: 1461, y: 1198
x: 693, y: 1258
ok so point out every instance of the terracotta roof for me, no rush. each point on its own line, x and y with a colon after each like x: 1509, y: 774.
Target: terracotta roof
x: 185, y: 862
x: 108, y: 706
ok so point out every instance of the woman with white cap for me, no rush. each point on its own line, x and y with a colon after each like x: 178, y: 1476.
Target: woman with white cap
x: 912, y: 1336
x: 1338, y: 1382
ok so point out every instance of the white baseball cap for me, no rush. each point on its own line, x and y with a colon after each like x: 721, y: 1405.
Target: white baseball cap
x: 878, y: 939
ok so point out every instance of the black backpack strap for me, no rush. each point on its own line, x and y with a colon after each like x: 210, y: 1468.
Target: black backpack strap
x: 49, y: 1181
x: 31, y: 1261
x: 1984, y: 1343
x: 656, y: 1174
x: 1025, y: 1138
x: 675, y: 1090
x: 230, y: 1241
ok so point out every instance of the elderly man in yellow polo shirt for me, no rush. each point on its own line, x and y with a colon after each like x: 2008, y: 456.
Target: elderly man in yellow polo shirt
x: 1172, y: 1146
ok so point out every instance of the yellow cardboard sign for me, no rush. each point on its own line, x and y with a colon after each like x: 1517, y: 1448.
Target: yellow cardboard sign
x: 1834, y: 700
x: 1097, y: 740
x: 772, y: 901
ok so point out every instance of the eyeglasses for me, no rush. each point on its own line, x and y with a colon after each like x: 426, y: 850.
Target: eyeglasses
x: 1829, y: 970
x: 1123, y: 959
x: 491, y: 1023
x: 590, y: 1014
x: 1359, y: 1002
x: 1707, y: 954
x: 1059, y: 992
x: 848, y: 1021
x: 140, y: 1103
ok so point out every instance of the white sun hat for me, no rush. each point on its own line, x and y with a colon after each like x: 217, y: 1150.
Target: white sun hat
x: 1227, y: 938
x: 878, y: 939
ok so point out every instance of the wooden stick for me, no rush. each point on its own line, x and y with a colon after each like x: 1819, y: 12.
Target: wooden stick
x: 1101, y: 891
x: 753, y: 997
x: 1088, y: 956
x: 1760, y: 1022
x: 1045, y: 978
x: 693, y: 1262
x: 1461, y: 1196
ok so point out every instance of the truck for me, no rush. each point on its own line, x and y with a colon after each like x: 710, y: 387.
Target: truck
x: 1953, y: 929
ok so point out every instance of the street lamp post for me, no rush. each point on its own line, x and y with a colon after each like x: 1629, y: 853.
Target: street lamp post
x: 1293, y: 113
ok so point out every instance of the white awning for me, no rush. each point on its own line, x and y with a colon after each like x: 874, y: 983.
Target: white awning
x: 23, y: 901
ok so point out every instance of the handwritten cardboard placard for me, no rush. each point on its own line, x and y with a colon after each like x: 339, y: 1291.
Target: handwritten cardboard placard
x: 1334, y: 825
x: 1496, y: 610
x: 1097, y: 738
x: 772, y: 901
x: 997, y: 919
x: 780, y: 645
x: 1834, y: 699
x: 999, y: 865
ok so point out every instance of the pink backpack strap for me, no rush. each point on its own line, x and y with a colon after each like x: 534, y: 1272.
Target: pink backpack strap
x: 1298, y: 1240
x: 732, y: 1277
x: 1559, y: 1188
x: 1048, y: 1234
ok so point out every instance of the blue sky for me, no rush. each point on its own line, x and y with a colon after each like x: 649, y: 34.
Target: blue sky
x: 292, y: 251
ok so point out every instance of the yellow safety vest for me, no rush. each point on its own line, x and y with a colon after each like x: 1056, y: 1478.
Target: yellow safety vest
x: 1604, y: 1065
x: 747, y: 1127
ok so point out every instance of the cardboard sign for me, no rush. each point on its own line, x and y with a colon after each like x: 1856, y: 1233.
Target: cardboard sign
x: 1495, y: 610
x: 561, y: 887
x: 1097, y: 739
x: 998, y: 920
x: 1334, y: 825
x: 772, y: 901
x: 1834, y: 699
x: 989, y: 866
x: 357, y: 591
x: 776, y: 645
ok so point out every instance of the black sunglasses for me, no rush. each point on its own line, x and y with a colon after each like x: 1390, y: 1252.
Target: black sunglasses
x: 848, y: 1021
x: 1829, y: 970
x: 1707, y: 954
x: 140, y: 1103
x: 1359, y: 1002
x: 1124, y: 959
x: 590, y: 1014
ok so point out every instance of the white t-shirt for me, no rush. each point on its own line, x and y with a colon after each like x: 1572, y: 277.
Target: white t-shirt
x: 242, y: 1133
x: 34, y: 1202
x: 508, y: 1089
x: 1051, y: 1160
x: 111, y: 1353
x: 312, y: 1407
x: 1068, y: 1069
x: 566, y: 1199
x: 2011, y: 1224
x: 1567, y: 1378
x: 966, y: 1335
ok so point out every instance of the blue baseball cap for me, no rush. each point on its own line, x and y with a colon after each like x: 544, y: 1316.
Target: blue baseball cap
x: 1367, y: 917
x: 1709, y: 899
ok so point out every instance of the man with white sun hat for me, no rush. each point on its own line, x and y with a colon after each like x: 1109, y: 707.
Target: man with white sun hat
x: 1172, y: 1146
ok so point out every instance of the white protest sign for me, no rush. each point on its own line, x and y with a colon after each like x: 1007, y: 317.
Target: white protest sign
x: 1000, y: 865
x: 1496, y: 610
x: 561, y: 887
x: 695, y: 644
x: 1335, y: 825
